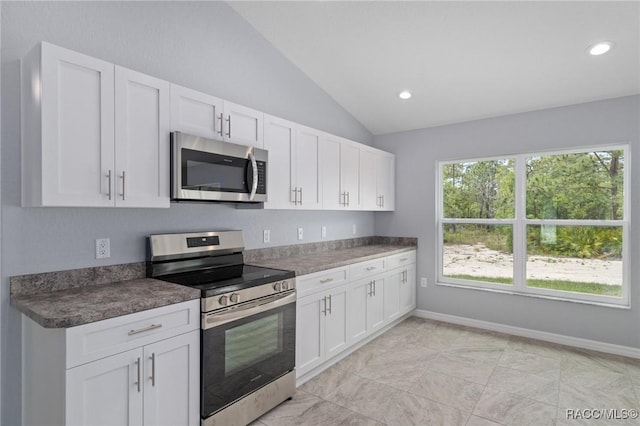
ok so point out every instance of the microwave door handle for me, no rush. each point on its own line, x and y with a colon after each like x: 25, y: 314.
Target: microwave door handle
x: 254, y: 168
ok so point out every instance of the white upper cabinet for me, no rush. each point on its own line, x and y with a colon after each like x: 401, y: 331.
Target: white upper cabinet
x: 142, y: 140
x: 67, y: 129
x: 332, y: 197
x: 340, y: 163
x: 349, y: 174
x: 377, y: 180
x: 280, y: 141
x: 196, y: 113
x: 200, y: 114
x: 242, y: 125
x: 81, y: 149
x: 307, y: 168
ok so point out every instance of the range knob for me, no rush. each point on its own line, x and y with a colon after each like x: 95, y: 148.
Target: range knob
x: 277, y: 286
x: 285, y: 285
x: 223, y: 300
x: 234, y: 298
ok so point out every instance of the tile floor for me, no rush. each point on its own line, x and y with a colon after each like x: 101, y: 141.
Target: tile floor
x: 425, y: 372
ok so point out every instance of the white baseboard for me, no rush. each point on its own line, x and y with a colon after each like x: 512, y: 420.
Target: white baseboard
x: 532, y: 334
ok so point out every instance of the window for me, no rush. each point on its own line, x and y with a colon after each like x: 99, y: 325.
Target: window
x: 552, y: 224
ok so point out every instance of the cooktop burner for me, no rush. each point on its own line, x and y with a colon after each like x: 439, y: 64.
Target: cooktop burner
x: 229, y: 278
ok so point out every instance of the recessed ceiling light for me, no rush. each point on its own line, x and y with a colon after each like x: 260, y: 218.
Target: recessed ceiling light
x: 405, y: 94
x: 600, y: 48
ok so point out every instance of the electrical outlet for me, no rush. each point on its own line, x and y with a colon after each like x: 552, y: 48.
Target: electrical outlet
x: 266, y: 236
x: 423, y: 282
x: 103, y: 248
x: 300, y: 233
x: 324, y: 232
x: 353, y: 229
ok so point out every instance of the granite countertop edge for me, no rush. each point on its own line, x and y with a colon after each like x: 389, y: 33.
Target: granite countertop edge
x: 292, y: 262
x: 79, y: 306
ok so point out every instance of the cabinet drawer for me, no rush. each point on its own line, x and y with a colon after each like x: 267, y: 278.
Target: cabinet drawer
x: 97, y: 340
x: 318, y: 281
x: 369, y: 268
x: 401, y: 259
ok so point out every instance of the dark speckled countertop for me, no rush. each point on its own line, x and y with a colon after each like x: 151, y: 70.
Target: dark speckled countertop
x: 70, y: 298
x: 309, y: 258
x: 310, y: 263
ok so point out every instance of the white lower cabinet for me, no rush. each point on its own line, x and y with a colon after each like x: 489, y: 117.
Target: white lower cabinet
x: 321, y: 331
x: 340, y: 307
x: 151, y: 376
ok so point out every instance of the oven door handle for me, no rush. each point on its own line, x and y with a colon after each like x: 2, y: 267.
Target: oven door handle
x: 254, y: 169
x: 216, y: 319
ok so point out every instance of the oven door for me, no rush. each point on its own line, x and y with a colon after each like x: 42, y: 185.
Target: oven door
x: 245, y: 348
x: 206, y: 169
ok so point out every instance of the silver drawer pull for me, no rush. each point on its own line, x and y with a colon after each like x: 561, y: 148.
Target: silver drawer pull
x: 328, y: 280
x: 142, y: 330
x: 404, y: 259
x: 371, y: 268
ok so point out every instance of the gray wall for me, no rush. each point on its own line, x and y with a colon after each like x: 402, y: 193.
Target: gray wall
x: 202, y: 45
x: 417, y: 152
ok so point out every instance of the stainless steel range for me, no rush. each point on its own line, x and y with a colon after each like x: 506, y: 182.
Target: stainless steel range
x: 248, y: 322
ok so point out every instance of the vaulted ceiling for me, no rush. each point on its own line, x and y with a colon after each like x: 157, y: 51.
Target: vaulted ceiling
x: 461, y: 60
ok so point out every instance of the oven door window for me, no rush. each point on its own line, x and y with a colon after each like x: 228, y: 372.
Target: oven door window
x: 204, y: 171
x: 244, y: 355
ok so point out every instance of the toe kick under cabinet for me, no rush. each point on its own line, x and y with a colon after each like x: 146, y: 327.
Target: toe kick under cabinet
x: 136, y: 369
x: 340, y: 307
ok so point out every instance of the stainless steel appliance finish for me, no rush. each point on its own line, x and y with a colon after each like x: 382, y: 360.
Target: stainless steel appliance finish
x: 253, y: 405
x: 209, y: 170
x: 247, y: 338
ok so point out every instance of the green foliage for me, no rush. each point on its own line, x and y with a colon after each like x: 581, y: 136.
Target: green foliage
x: 578, y: 186
x: 563, y: 285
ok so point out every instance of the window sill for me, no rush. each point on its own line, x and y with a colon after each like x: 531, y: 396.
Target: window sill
x: 537, y: 296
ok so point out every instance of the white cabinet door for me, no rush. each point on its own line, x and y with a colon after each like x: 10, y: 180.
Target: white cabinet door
x: 349, y: 174
x: 335, y: 318
x: 368, y: 179
x: 172, y: 382
x: 106, y: 392
x: 375, y: 305
x: 408, y: 290
x: 279, y: 140
x: 357, y: 296
x: 332, y: 198
x: 142, y: 140
x: 309, y: 333
x: 243, y: 125
x: 196, y: 113
x: 392, y: 283
x: 307, y: 168
x: 68, y: 134
x: 386, y: 181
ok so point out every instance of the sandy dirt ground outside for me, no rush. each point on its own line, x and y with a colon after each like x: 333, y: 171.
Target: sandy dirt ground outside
x: 478, y: 260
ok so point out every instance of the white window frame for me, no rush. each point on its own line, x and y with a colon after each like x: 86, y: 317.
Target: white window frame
x: 519, y: 224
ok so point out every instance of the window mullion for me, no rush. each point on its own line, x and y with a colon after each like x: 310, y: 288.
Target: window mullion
x: 519, y: 227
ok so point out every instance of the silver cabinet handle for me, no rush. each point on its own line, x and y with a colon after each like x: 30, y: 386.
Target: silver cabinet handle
x: 228, y: 120
x: 371, y: 268
x: 404, y: 259
x: 300, y: 195
x: 370, y: 292
x: 123, y: 184
x: 109, y: 184
x: 221, y: 123
x: 254, y: 166
x: 328, y: 280
x: 330, y: 304
x: 295, y: 197
x: 374, y: 287
x: 142, y: 330
x: 138, y: 382
x: 348, y: 198
x: 343, y: 198
x: 324, y: 306
x: 153, y: 369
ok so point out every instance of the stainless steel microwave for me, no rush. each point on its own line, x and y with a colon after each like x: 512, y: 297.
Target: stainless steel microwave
x: 210, y: 170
